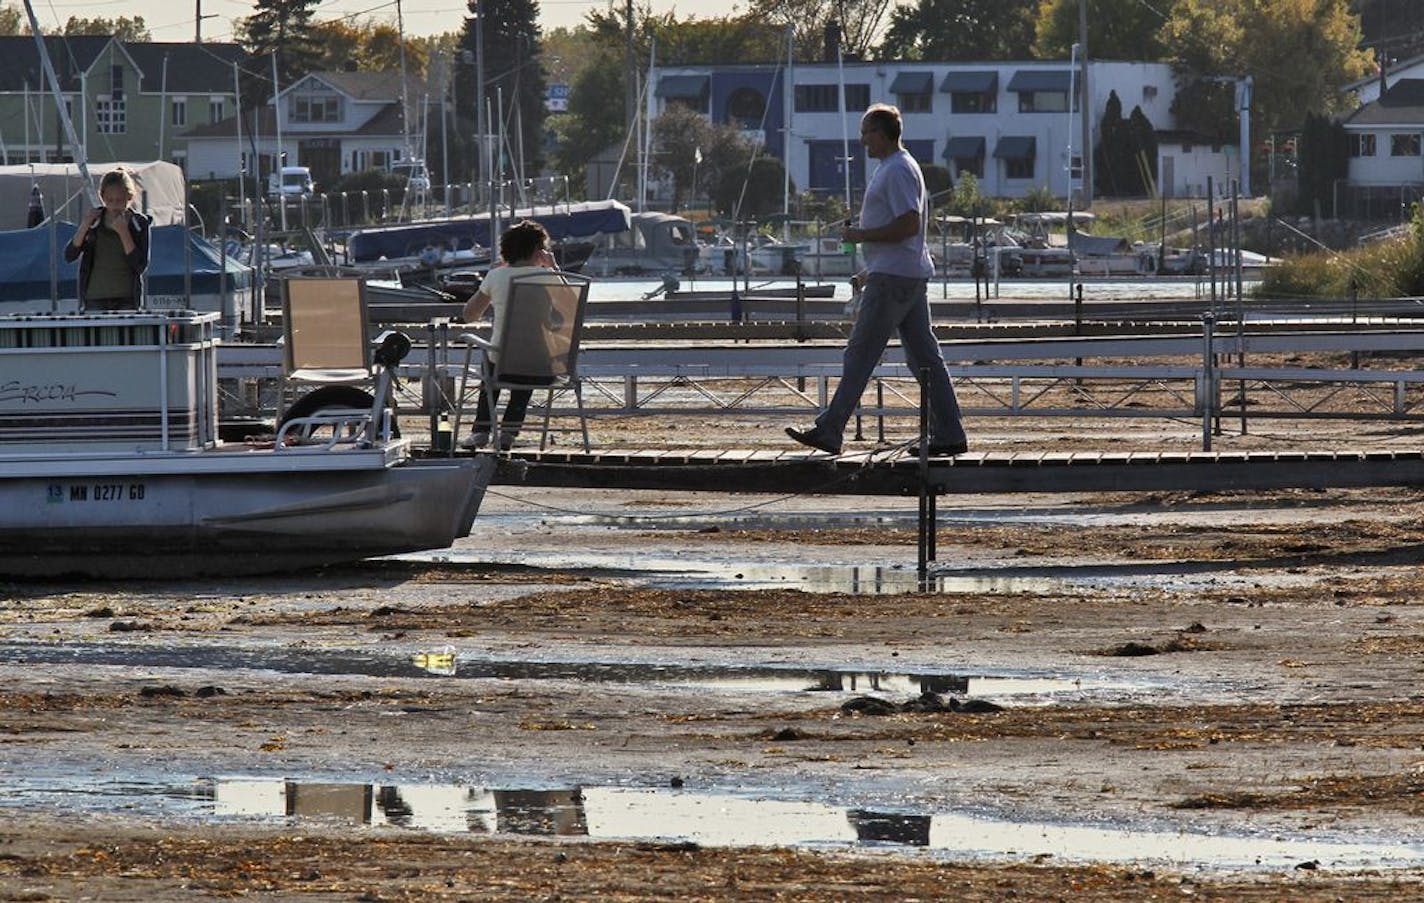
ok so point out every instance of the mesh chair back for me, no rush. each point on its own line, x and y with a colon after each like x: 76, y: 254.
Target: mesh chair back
x: 325, y: 327
x: 543, y: 321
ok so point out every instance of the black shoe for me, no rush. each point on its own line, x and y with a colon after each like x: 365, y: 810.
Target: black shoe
x: 942, y: 449
x: 818, y: 441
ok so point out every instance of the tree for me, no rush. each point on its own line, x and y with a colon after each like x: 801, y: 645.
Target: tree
x: 370, y: 47
x: 961, y: 30
x: 1324, y: 158
x: 513, y: 78
x: 589, y: 126
x: 1117, y: 29
x: 678, y: 137
x: 1393, y: 29
x: 1125, y: 158
x: 1297, y: 51
x: 745, y: 39
x: 13, y: 21
x: 752, y: 191
x: 284, y: 28
x: 123, y: 28
x: 859, y: 22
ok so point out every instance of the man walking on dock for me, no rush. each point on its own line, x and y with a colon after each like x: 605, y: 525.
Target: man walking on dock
x: 891, y: 233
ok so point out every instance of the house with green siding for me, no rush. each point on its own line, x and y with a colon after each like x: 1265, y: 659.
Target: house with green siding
x: 133, y: 101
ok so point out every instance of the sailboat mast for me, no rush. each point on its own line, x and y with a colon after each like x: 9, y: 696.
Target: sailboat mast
x: 788, y: 87
x: 75, y: 147
x: 845, y: 129
x: 405, y: 88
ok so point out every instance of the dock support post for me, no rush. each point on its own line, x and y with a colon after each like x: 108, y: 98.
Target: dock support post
x: 928, y: 514
x: 1208, y: 380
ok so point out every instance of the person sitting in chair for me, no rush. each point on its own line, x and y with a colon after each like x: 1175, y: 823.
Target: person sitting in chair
x: 524, y: 249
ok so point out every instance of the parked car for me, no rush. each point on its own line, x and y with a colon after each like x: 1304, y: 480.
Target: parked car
x: 292, y: 182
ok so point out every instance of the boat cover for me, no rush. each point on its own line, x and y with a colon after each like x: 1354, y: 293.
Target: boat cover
x: 160, y: 185
x: 1097, y: 245
x: 25, y: 256
x: 563, y: 221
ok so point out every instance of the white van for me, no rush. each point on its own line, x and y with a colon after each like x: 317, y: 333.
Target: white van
x: 293, y: 182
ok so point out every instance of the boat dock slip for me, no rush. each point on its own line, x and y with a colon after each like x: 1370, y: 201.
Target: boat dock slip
x: 896, y: 473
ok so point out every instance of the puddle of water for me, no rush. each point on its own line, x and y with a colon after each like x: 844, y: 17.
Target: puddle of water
x: 706, y: 818
x: 446, y: 662
x: 682, y: 572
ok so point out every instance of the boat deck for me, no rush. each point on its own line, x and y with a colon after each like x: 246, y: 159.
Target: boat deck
x: 896, y: 473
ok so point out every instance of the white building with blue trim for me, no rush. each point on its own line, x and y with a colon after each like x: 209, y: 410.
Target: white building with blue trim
x: 1009, y: 123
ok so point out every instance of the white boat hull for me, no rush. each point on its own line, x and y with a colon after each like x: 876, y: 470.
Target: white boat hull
x: 110, y: 465
x: 235, y: 522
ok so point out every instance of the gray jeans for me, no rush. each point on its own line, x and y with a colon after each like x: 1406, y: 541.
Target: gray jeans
x: 891, y: 304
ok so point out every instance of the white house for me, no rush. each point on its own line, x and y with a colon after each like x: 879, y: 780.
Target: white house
x: 331, y: 122
x: 1011, y: 124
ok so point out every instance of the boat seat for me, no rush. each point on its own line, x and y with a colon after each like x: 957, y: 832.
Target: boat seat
x: 326, y: 343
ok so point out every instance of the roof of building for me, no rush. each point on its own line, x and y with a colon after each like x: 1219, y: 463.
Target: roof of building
x: 191, y: 67
x: 365, y: 85
x: 386, y: 122
x: 1402, y: 103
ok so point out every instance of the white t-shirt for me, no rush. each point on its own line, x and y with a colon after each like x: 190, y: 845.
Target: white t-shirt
x: 897, y: 188
x: 496, y: 286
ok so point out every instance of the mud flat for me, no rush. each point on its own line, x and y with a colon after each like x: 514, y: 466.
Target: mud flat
x: 652, y: 696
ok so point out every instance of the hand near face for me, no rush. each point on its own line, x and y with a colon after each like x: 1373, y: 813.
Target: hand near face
x: 117, y: 220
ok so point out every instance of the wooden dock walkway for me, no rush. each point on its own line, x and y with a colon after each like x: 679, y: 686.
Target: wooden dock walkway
x: 896, y: 473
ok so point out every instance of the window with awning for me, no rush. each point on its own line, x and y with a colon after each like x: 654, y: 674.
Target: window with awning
x: 683, y: 87
x: 972, y: 91
x: 1017, y: 152
x: 1042, y: 90
x: 964, y: 147
x: 979, y: 81
x: 965, y: 154
x: 914, y: 91
x: 1041, y: 80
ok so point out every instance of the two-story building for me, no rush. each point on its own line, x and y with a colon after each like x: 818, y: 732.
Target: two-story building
x: 1013, y: 125
x: 128, y: 100
x: 1386, y: 140
x: 331, y: 122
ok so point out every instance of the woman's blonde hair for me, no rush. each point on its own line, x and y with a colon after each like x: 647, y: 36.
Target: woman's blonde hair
x: 119, y: 178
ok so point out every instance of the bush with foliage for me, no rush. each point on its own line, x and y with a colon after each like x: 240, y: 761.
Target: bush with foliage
x: 1384, y: 269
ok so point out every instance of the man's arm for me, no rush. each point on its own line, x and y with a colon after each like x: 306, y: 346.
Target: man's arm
x: 898, y: 229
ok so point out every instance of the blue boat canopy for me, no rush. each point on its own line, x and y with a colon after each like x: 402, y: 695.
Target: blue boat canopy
x: 464, y: 233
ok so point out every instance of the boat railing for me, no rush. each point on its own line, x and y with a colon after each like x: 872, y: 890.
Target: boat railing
x: 349, y: 427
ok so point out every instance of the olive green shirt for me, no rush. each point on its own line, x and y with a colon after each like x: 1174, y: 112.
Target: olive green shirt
x: 112, y: 276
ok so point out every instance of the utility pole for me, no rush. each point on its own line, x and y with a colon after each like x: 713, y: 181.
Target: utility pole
x: 630, y: 96
x: 480, y: 92
x: 198, y: 18
x: 1084, y: 104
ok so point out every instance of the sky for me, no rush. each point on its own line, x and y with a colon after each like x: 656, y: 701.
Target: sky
x: 174, y: 21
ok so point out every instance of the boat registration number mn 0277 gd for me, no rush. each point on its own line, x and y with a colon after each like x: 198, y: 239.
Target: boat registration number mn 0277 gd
x: 58, y: 493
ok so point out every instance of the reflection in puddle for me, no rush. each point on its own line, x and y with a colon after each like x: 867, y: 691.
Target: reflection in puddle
x: 714, y: 820
x: 447, y: 662
x: 691, y: 573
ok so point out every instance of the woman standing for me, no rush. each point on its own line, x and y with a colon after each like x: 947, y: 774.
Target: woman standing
x: 112, y: 248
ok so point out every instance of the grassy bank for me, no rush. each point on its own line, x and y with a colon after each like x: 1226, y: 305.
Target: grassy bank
x: 1384, y: 269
